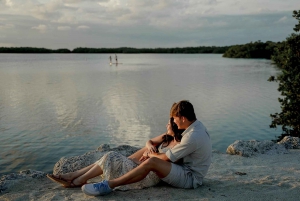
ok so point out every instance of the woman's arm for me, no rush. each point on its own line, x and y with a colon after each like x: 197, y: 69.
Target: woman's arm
x: 152, y: 143
x: 141, y: 155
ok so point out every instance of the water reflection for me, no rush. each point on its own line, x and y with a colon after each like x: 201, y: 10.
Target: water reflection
x: 121, y: 103
x: 64, y: 105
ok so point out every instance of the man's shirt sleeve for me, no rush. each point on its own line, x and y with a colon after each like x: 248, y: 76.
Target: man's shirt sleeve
x: 186, y: 146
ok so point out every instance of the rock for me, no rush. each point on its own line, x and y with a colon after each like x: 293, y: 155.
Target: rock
x: 290, y: 142
x: 7, y: 180
x: 71, y: 164
x: 254, y: 147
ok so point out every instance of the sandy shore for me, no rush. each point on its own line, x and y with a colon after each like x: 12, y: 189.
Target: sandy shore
x: 231, y: 177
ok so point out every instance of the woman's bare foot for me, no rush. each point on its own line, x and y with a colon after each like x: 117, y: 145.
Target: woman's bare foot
x: 78, y: 182
x: 68, y: 177
x: 58, y: 179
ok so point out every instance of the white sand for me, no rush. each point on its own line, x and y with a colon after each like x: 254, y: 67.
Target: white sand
x: 268, y: 177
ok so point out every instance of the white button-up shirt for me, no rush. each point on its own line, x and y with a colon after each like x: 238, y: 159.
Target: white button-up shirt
x: 195, y: 149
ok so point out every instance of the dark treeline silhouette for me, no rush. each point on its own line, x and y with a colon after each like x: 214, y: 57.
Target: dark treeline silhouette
x: 31, y: 50
x: 176, y: 50
x: 257, y: 49
x: 124, y: 50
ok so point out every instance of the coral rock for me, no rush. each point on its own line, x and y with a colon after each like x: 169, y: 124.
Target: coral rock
x: 71, y: 164
x: 290, y: 142
x: 254, y: 147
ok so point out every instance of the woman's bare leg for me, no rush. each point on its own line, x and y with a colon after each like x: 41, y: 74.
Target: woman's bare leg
x: 81, y: 176
x: 96, y: 170
x: 73, y: 175
x: 137, y: 155
x: 91, y: 173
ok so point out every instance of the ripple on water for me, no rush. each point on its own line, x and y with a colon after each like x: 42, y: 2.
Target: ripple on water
x: 64, y: 105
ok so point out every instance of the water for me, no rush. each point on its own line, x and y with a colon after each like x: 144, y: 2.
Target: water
x: 55, y: 105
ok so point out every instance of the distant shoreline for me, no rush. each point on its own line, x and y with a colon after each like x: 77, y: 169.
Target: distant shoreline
x: 256, y: 49
x: 121, y: 50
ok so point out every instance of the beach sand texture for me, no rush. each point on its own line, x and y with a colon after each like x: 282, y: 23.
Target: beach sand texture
x: 230, y: 177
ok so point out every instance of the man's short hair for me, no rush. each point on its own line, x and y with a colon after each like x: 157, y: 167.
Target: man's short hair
x: 183, y: 108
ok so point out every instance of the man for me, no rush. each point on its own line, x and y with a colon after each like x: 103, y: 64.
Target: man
x: 194, y: 149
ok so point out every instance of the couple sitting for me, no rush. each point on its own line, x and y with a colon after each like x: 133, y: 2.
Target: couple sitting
x: 180, y: 157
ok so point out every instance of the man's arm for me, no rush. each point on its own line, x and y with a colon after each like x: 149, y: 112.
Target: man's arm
x: 184, y: 148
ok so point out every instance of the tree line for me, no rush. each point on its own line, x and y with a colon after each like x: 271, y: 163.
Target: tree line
x: 256, y: 49
x: 124, y: 50
x: 31, y: 50
x: 287, y: 57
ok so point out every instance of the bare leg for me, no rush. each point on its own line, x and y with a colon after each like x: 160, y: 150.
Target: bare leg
x: 81, y: 176
x: 137, y: 155
x: 161, y: 167
x: 96, y: 169
x: 91, y: 173
x: 73, y: 175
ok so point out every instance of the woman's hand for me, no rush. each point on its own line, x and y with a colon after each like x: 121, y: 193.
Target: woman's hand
x: 145, y: 156
x: 151, y: 148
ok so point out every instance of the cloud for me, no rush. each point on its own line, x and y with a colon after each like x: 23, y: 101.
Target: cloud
x: 6, y: 45
x: 66, y: 19
x: 9, y: 3
x: 83, y: 27
x: 81, y: 1
x: 283, y: 19
x: 41, y: 28
x: 144, y: 23
x: 6, y: 26
x: 46, y: 11
x: 63, y: 28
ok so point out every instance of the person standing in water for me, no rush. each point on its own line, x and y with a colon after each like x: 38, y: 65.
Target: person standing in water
x: 116, y: 58
x: 110, y: 59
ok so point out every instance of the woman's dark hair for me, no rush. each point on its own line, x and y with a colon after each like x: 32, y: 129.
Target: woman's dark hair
x: 177, y: 133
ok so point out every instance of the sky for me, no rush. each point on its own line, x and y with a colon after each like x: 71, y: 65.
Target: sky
x: 69, y: 24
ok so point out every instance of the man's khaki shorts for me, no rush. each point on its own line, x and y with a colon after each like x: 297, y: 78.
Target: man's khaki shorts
x: 178, y: 177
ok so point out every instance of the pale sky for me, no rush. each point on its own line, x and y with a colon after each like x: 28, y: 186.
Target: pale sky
x: 143, y: 23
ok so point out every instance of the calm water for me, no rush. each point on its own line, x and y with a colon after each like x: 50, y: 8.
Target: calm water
x: 55, y: 105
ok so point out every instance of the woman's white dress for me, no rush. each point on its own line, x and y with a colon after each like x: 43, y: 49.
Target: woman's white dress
x: 115, y: 165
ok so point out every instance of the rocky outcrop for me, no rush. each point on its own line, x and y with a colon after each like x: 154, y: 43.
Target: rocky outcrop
x: 7, y: 180
x: 71, y: 164
x: 254, y: 147
x: 290, y: 142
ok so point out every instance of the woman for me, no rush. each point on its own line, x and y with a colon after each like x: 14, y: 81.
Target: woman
x: 113, y: 164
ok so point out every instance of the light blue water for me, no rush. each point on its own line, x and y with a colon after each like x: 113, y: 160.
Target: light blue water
x: 55, y: 105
